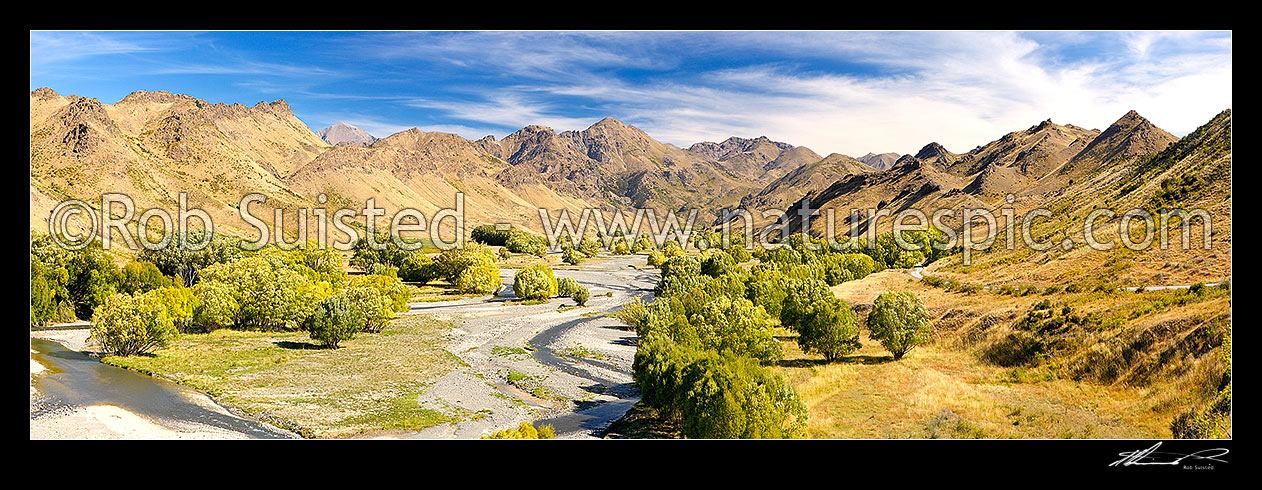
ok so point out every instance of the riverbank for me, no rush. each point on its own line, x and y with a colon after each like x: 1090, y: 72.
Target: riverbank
x: 367, y: 385
x: 62, y: 408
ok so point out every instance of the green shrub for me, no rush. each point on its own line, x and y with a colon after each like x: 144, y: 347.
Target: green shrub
x: 382, y: 270
x: 179, y: 261
x: 767, y: 287
x: 391, y: 288
x: 739, y: 254
x: 899, y: 322
x: 802, y: 298
x: 373, y: 306
x: 127, y: 325
x: 830, y: 331
x: 678, y: 274
x: 656, y: 258
x: 524, y: 431
x: 589, y: 247
x: 216, y: 305
x: 535, y: 282
x: 179, y: 303
x: 835, y: 274
x: 572, y: 256
x: 582, y: 295
x: 858, y: 264
x: 418, y: 268
x: 736, y: 327
x: 490, y: 235
x: 716, y: 396
x: 470, y: 269
x: 642, y: 243
x: 717, y: 263
x: 92, y: 278
x: 567, y: 286
x: 526, y: 243
x: 335, y: 319
x: 672, y: 249
x: 50, y: 298
x: 620, y: 247
x: 907, y: 259
x: 270, y: 292
x: 140, y: 277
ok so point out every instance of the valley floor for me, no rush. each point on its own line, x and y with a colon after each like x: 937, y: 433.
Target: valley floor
x: 460, y: 368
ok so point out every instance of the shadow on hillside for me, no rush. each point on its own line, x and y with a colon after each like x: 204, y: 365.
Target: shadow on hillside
x: 802, y: 363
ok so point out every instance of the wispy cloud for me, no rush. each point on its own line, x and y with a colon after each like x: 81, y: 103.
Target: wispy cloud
x: 848, y: 92
x: 245, y: 68
x: 511, y: 109
x: 50, y: 47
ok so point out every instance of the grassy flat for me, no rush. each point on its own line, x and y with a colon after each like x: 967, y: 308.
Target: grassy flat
x: 369, y: 384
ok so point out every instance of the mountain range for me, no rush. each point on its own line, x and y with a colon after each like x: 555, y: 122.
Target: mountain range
x: 152, y: 145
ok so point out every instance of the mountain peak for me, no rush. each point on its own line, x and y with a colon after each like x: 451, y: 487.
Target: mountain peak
x: 879, y: 161
x: 608, y: 121
x: 156, y: 96
x: 1131, y: 135
x: 45, y: 93
x: 1130, y: 120
x: 342, y: 133
x: 279, y: 105
x: 932, y: 150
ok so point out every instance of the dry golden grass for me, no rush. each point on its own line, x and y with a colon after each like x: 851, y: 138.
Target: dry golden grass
x: 945, y: 389
x: 936, y: 392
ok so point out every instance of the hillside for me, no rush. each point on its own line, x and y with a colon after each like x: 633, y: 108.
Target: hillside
x: 152, y: 145
x: 1044, y: 162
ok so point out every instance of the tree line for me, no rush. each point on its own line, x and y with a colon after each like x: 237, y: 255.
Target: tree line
x: 706, y: 340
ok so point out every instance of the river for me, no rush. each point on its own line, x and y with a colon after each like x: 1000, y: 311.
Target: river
x: 74, y: 380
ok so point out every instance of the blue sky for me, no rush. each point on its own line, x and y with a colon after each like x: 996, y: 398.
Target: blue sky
x: 846, y: 92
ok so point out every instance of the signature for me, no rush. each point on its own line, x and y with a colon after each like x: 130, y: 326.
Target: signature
x: 1152, y: 456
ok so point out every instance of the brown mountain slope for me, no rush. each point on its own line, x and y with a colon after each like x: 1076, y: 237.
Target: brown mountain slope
x: 153, y: 145
x: 1025, y: 163
x: 758, y: 158
x: 1129, y: 136
x: 425, y: 170
x: 1194, y: 172
x: 1032, y: 152
x: 1019, y: 158
x: 879, y: 161
x: 805, y: 181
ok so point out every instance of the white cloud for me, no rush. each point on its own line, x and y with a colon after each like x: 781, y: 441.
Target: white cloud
x: 961, y: 89
x: 513, y: 110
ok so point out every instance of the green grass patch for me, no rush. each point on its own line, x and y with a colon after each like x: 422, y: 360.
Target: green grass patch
x: 503, y: 351
x: 581, y: 351
x: 368, y: 384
